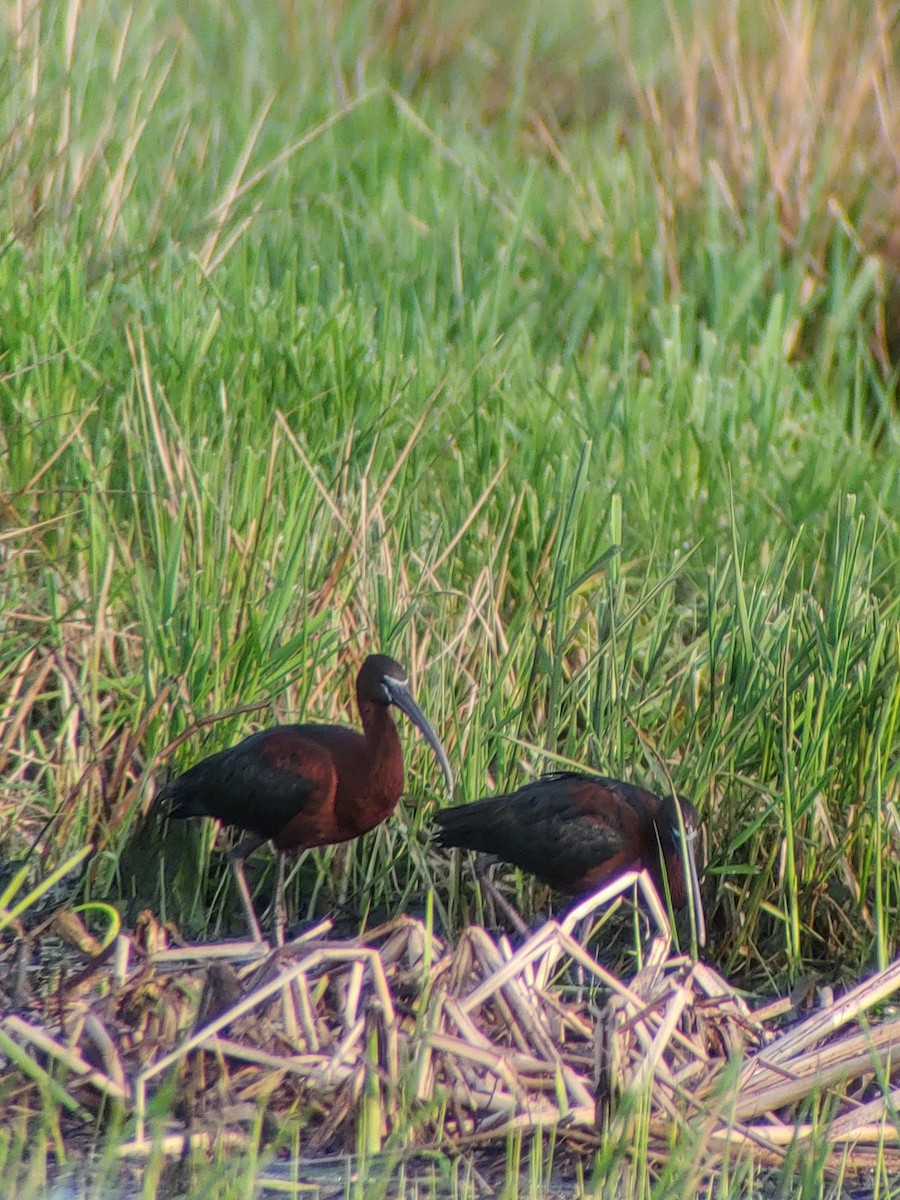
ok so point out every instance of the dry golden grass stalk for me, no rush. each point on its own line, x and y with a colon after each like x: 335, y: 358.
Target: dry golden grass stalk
x: 765, y: 100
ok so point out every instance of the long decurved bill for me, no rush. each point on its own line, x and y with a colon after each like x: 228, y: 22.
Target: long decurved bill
x: 402, y: 697
x: 696, y: 902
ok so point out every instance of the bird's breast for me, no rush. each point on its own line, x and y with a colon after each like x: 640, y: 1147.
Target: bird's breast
x: 367, y: 794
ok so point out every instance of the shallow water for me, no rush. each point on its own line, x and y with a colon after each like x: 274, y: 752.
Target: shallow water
x: 331, y: 1178
x: 420, y: 1176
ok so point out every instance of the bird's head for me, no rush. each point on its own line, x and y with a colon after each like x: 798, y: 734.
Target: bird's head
x: 679, y: 828
x: 383, y: 681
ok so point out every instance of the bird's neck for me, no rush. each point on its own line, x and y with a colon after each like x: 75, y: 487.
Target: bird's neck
x: 675, y: 872
x: 385, y: 754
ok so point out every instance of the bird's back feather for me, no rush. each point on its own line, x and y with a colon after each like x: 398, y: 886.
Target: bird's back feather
x: 259, y: 785
x: 569, y: 829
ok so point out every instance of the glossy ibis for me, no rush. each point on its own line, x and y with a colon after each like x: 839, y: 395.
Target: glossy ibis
x: 576, y: 832
x: 301, y: 786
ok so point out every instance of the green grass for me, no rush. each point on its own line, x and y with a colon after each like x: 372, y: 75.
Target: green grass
x: 327, y: 334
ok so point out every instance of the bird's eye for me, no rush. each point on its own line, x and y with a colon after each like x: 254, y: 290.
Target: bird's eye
x: 390, y: 687
x: 690, y: 833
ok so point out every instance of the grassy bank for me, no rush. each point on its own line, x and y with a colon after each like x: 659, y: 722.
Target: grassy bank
x: 549, y: 352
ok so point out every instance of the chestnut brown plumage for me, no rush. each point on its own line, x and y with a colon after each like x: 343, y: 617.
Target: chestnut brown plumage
x: 301, y: 786
x: 576, y: 832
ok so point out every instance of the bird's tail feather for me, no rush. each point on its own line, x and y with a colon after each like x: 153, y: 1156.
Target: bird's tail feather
x: 463, y: 826
x: 176, y: 801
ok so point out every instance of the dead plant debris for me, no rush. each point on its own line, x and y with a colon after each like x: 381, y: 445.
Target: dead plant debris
x: 459, y: 1046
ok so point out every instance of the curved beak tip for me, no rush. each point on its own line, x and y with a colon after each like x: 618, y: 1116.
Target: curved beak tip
x: 696, y: 901
x: 402, y: 697
x: 448, y: 774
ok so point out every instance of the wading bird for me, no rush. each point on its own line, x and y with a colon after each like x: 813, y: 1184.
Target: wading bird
x: 577, y: 832
x: 301, y: 786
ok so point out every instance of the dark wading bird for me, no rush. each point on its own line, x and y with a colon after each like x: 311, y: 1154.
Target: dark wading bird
x: 301, y: 786
x: 577, y: 832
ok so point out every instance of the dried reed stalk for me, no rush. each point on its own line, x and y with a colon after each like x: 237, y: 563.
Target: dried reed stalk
x: 475, y: 1033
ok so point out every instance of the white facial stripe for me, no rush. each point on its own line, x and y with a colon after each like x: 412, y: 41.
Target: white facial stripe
x: 398, y: 682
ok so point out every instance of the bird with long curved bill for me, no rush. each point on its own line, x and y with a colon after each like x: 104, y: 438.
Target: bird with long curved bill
x: 577, y: 832
x: 302, y: 786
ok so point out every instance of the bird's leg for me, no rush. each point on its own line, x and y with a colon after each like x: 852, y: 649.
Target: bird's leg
x: 582, y: 930
x: 482, y: 863
x: 581, y: 933
x: 279, y: 912
x: 236, y: 857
